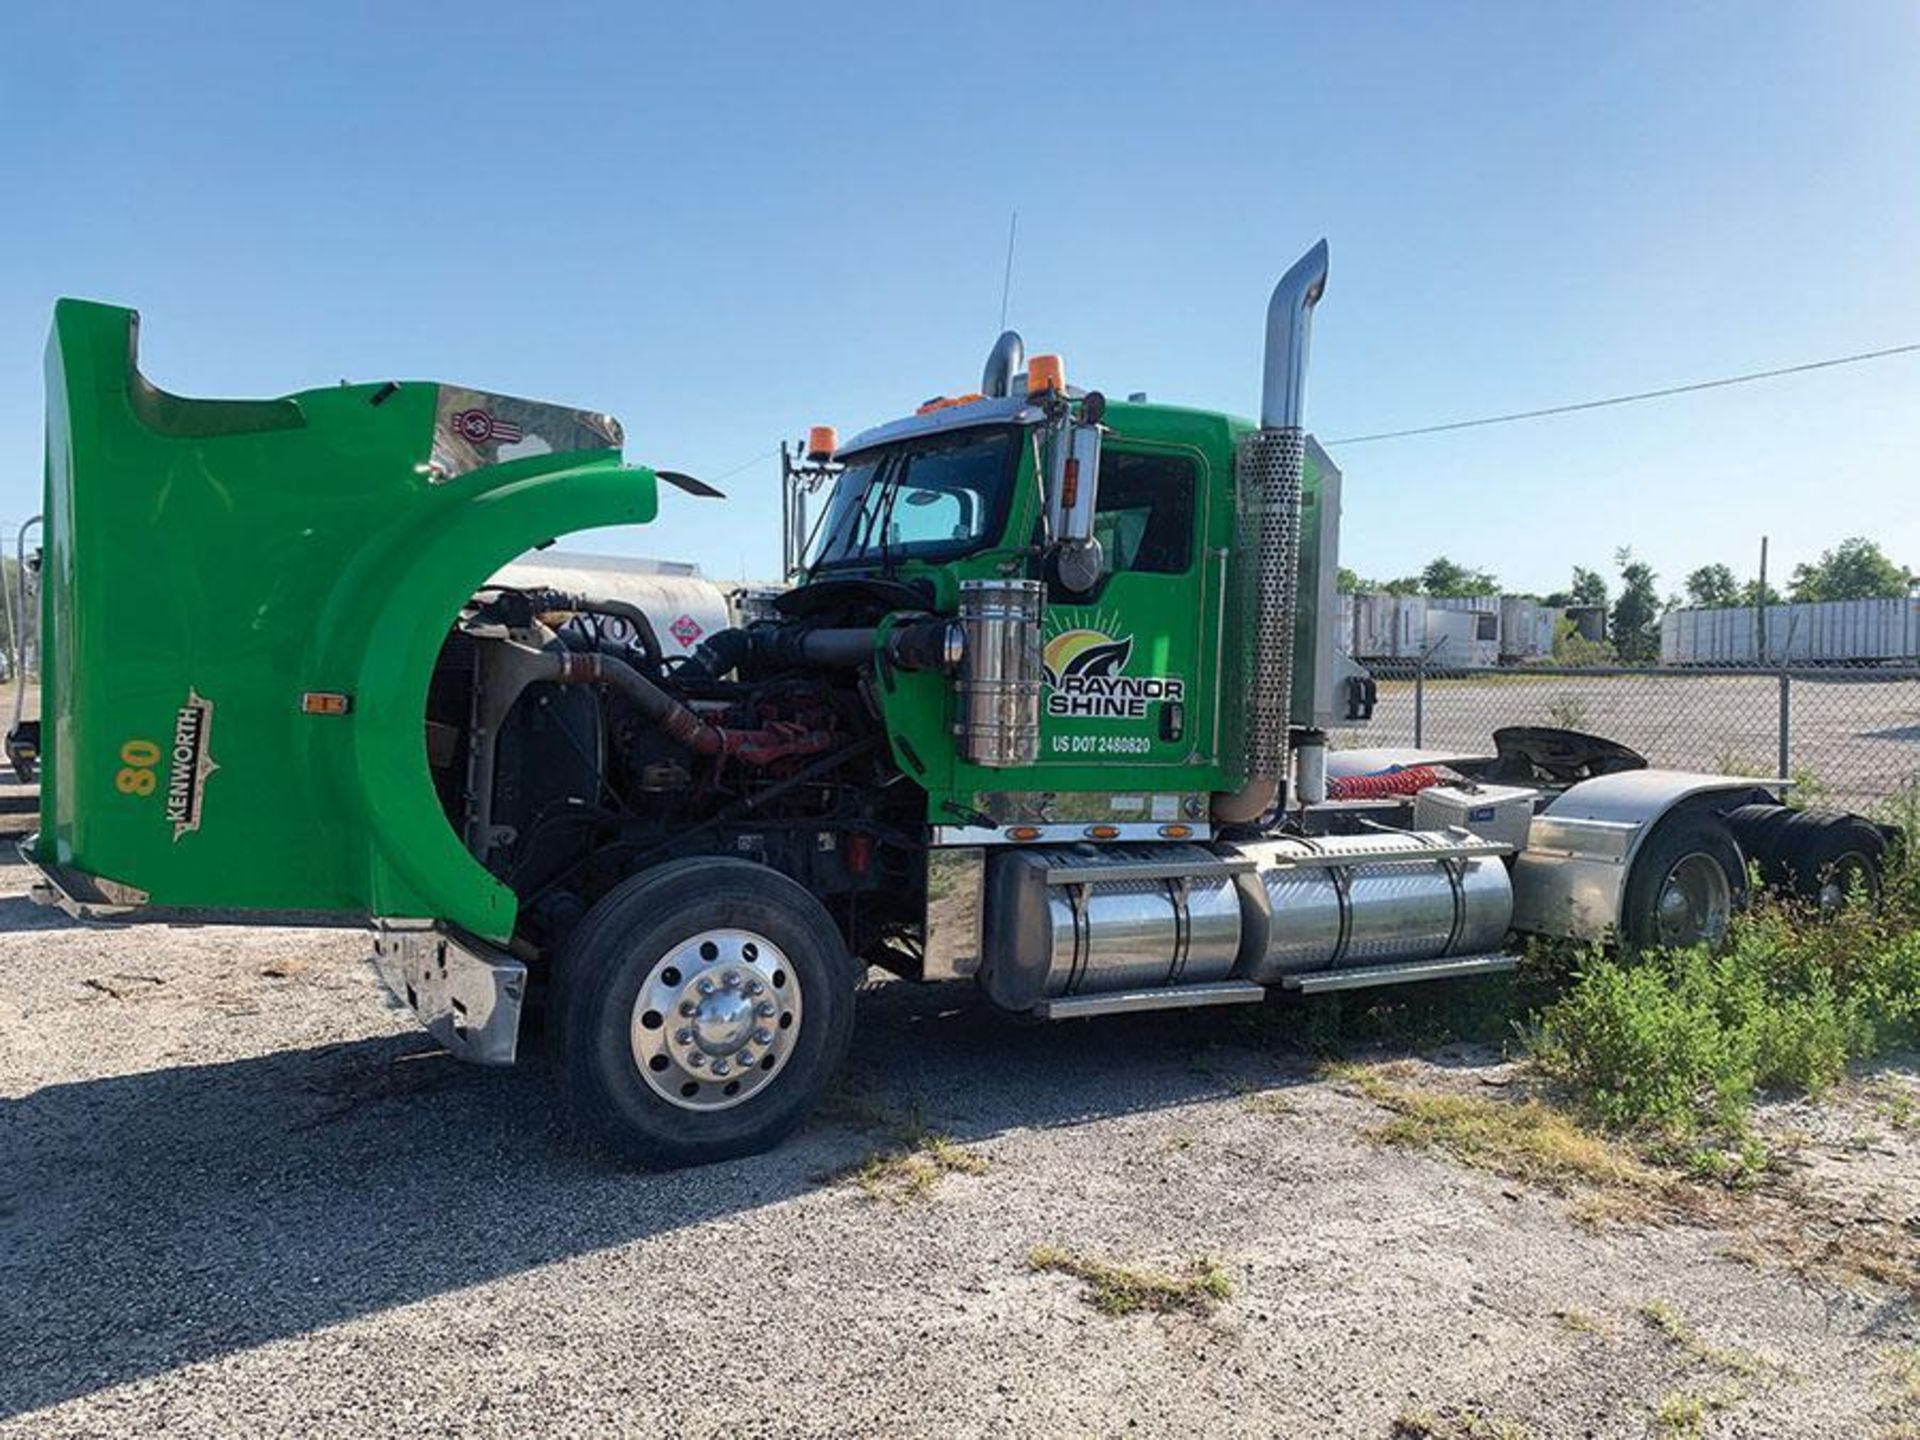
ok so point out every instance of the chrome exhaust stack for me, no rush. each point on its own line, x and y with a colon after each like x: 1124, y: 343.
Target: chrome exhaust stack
x: 1006, y: 360
x: 1268, y: 473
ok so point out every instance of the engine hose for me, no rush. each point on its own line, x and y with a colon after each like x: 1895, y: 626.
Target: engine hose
x: 678, y: 723
x: 782, y: 647
x: 1409, y: 781
x: 643, y: 631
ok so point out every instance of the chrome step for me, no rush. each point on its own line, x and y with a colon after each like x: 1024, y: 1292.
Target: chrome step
x: 1112, y: 871
x: 1167, y: 997
x: 1359, y: 977
x: 1461, y: 850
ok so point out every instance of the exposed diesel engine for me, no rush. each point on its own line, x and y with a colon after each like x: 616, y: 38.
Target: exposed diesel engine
x: 568, y: 751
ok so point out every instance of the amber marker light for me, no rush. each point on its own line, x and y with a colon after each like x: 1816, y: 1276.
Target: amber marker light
x: 822, y: 441
x: 1044, y: 373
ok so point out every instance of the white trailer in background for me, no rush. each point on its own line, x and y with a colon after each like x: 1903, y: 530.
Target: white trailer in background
x: 1462, y: 639
x: 1824, y: 633
x: 1504, y: 630
x: 1385, y: 627
x: 1527, y: 629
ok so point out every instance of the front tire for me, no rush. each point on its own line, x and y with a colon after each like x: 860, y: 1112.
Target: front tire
x: 704, y: 1006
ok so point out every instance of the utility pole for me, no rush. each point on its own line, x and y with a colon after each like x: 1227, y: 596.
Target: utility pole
x: 1760, y: 606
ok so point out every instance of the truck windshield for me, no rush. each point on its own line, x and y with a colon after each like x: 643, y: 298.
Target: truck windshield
x: 928, y: 499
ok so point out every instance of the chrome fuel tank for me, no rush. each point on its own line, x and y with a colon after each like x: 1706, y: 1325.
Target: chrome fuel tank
x: 1084, y: 920
x: 1328, y: 901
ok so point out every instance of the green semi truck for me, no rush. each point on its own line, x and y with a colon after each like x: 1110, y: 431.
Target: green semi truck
x: 1045, y: 707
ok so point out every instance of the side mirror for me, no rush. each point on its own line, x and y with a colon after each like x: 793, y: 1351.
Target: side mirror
x: 1073, y: 476
x: 1073, y: 494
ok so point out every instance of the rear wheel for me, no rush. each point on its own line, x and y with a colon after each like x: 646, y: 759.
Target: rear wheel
x: 703, y: 1008
x: 1757, y: 829
x: 1827, y: 858
x: 1686, y: 883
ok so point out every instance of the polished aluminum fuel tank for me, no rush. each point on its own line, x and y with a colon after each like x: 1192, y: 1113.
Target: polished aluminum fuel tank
x: 1322, y: 902
x: 1082, y: 920
x: 1086, y: 920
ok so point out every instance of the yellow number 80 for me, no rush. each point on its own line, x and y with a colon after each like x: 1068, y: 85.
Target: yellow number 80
x: 137, y: 777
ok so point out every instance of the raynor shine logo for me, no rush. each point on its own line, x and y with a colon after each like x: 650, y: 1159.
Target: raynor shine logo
x: 190, y: 763
x: 1087, y: 676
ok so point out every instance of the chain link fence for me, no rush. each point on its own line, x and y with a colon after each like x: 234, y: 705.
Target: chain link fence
x: 1849, y: 735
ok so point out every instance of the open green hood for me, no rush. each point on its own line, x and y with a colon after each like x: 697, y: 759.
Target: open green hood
x: 210, y: 564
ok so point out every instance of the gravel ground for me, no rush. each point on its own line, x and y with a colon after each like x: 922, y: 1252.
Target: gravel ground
x: 239, y: 1196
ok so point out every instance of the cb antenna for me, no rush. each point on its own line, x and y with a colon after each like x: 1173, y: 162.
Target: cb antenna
x: 1006, y: 281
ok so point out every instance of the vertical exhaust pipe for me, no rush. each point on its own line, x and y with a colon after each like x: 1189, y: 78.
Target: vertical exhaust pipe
x: 1006, y: 360
x: 1268, y: 472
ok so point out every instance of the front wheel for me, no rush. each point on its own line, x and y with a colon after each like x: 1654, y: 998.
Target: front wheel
x: 704, y: 1006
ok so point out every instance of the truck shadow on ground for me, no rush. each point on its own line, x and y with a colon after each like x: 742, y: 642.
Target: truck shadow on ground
x: 153, y: 1220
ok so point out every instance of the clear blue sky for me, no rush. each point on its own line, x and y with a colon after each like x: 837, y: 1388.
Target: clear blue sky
x: 724, y: 222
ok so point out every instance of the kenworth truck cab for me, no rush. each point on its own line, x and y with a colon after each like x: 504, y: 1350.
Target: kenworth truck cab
x: 1044, y: 707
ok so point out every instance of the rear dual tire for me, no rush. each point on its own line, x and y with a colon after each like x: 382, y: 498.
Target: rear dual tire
x: 1823, y: 858
x: 702, y: 1009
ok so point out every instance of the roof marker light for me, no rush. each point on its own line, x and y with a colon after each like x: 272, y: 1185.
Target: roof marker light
x: 1044, y: 373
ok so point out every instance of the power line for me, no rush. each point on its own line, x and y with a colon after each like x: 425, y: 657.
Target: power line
x: 1631, y: 399
x: 743, y: 465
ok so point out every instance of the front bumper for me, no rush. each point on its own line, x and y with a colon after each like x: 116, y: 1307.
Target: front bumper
x: 467, y: 994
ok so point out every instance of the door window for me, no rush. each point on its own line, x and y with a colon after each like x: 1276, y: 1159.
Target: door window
x: 1144, y: 519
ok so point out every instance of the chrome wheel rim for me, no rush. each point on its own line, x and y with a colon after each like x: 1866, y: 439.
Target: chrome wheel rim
x: 716, y: 1019
x: 1695, y: 901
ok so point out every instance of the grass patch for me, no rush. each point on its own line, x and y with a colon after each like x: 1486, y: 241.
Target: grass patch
x: 1683, y: 1414
x: 913, y: 1162
x: 1664, y: 1318
x: 1450, y: 1423
x: 906, y: 1176
x: 1268, y: 1102
x: 1125, y: 1290
x: 1675, y: 1046
x: 1527, y: 1139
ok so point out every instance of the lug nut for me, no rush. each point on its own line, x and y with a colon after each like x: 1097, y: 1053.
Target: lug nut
x: 719, y: 1067
x: 765, y: 1007
x: 732, y: 980
x: 705, y: 986
x: 696, y: 1060
x: 745, y: 1057
x: 754, y: 987
x: 683, y: 1036
x: 689, y: 1009
x: 763, y: 1036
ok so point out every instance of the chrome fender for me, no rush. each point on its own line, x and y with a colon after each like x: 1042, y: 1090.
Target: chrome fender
x: 1571, y: 880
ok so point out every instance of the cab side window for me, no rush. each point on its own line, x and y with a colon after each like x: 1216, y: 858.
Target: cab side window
x: 1144, y: 519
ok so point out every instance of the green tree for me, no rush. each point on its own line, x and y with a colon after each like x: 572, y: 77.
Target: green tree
x: 1405, y: 585
x: 1755, y: 593
x: 1635, y: 630
x: 1712, y: 587
x: 1444, y: 577
x: 1349, y: 582
x: 1589, y: 588
x: 1855, y: 569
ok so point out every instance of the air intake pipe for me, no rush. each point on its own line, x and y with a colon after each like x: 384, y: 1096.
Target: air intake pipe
x: 1268, y: 473
x: 1006, y: 360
